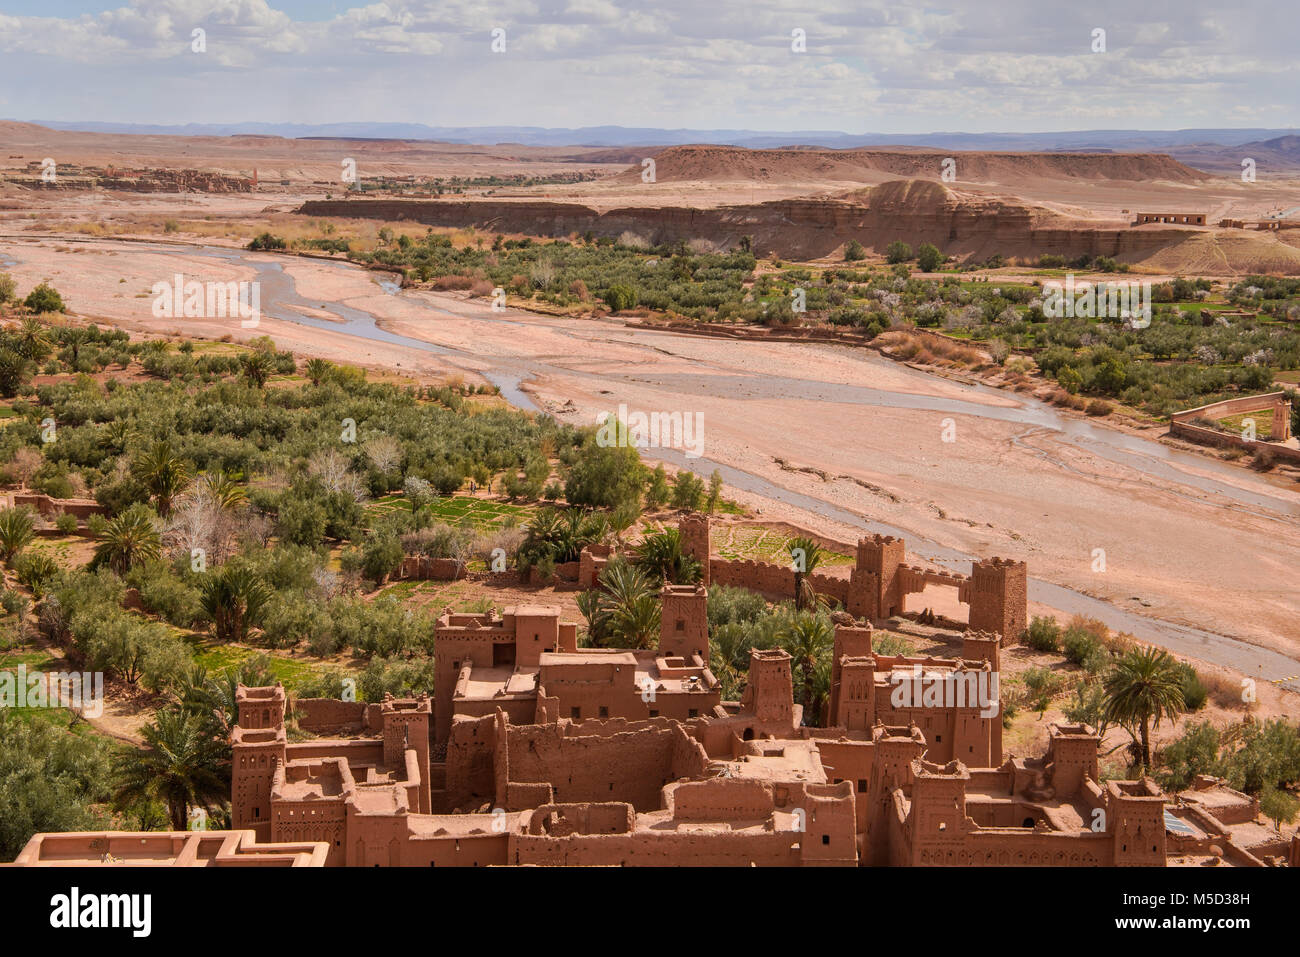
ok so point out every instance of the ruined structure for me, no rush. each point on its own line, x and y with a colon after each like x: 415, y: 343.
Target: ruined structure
x: 1180, y: 219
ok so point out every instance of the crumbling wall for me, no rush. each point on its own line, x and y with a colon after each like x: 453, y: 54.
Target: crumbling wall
x: 604, y: 763
x: 471, y: 775
x: 321, y: 715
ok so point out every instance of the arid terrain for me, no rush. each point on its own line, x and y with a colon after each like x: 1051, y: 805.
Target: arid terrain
x: 841, y: 440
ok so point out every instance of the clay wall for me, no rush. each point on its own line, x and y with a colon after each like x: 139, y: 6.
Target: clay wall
x: 471, y: 774
x: 49, y: 507
x: 585, y: 765
x: 668, y: 849
x: 424, y: 568
x: 1274, y: 404
x: 330, y: 715
x: 488, y: 848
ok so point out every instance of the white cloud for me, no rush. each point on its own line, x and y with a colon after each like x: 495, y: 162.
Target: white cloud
x: 727, y: 63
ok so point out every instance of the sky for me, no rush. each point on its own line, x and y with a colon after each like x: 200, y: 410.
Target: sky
x: 865, y: 66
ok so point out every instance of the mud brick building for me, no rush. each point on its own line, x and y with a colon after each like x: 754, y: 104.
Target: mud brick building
x: 534, y: 751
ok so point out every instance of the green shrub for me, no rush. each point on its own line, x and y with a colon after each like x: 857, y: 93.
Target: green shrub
x: 45, y: 298
x: 1044, y: 634
x: 36, y: 570
x: 928, y: 258
x: 897, y: 252
x: 619, y: 297
x: 1080, y: 645
x: 1195, y: 694
x: 166, y: 593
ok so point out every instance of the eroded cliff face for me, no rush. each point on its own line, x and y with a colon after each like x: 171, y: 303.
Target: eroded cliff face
x: 913, y: 211
x: 711, y: 163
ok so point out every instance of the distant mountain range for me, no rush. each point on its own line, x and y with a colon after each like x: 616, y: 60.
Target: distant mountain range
x: 1210, y: 141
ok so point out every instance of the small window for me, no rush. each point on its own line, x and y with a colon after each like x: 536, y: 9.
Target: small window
x: 938, y: 738
x: 862, y: 785
x: 693, y: 713
x: 654, y: 713
x: 604, y: 711
x: 826, y: 838
x: 681, y: 624
x: 575, y: 713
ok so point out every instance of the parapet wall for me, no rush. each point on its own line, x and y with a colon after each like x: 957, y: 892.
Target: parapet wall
x: 773, y: 581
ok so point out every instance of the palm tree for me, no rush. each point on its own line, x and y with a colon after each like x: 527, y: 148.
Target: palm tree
x: 728, y: 644
x: 561, y: 535
x: 163, y: 473
x: 13, y: 372
x: 661, y: 553
x: 256, y: 367
x: 32, y: 340
x: 16, y: 530
x: 212, y: 697
x: 73, y: 338
x: 625, y: 609
x: 227, y: 493
x: 807, y: 637
x: 129, y: 539
x: 636, y: 624
x: 806, y: 555
x: 181, y: 766
x: 234, y: 599
x: 1143, y: 686
x: 316, y: 370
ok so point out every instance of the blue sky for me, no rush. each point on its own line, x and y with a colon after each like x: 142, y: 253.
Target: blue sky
x: 868, y: 66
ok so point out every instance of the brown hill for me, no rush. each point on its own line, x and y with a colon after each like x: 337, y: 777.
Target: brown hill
x: 727, y: 163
